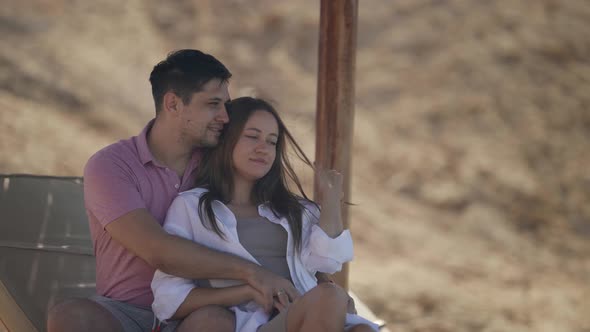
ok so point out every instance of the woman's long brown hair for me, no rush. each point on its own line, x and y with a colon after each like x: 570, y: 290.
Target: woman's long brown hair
x: 216, y: 171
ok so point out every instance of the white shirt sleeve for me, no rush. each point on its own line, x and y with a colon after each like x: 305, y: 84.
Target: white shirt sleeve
x: 170, y: 291
x: 319, y: 251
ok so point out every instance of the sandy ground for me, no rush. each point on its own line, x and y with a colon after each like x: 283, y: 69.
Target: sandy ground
x: 471, y: 162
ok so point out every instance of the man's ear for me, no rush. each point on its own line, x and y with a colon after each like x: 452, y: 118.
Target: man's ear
x: 171, y: 103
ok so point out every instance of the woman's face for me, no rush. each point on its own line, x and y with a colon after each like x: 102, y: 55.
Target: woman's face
x: 256, y: 149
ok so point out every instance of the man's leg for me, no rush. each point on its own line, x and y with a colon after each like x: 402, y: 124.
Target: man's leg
x: 209, y: 318
x: 76, y: 315
x: 321, y: 309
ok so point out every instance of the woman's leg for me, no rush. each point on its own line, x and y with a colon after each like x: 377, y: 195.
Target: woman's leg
x: 321, y: 309
x: 209, y: 318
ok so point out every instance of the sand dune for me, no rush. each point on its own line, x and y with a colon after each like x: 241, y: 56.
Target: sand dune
x: 471, y: 161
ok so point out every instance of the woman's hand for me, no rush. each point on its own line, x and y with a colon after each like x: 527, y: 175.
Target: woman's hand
x: 260, y: 299
x: 281, y: 300
x: 267, y: 285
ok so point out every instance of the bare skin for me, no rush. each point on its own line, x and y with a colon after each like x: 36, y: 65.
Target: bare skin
x: 209, y: 318
x: 81, y: 315
x: 179, y: 128
x: 324, y: 307
x: 330, y: 195
x: 321, y: 309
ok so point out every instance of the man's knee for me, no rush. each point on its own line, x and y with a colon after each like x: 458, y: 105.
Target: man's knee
x: 80, y: 315
x: 209, y: 318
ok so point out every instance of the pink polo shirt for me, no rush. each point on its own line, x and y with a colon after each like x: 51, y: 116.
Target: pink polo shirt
x: 118, y: 179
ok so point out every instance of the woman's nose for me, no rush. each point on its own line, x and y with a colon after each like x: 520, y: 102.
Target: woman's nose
x: 261, y: 148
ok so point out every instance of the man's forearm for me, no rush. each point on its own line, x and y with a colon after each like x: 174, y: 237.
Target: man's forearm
x: 140, y: 233
x: 200, y: 262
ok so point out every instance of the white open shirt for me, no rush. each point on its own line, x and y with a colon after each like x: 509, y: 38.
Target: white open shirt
x: 319, y: 252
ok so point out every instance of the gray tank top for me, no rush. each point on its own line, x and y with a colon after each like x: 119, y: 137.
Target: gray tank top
x: 267, y: 242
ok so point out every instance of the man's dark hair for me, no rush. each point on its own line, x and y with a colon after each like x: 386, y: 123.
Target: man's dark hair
x: 184, y: 72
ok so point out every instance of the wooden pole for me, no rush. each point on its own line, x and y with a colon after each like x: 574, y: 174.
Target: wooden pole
x: 335, y: 96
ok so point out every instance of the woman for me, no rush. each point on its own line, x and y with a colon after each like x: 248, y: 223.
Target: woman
x: 242, y: 205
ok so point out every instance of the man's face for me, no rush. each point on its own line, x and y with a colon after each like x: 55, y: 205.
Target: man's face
x: 204, y: 117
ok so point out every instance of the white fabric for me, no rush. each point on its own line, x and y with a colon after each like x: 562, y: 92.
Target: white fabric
x: 319, y: 253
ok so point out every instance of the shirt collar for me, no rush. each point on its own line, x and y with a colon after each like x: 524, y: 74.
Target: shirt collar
x: 225, y: 216
x: 145, y: 155
x: 264, y: 210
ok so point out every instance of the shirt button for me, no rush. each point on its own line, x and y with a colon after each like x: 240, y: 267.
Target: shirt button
x: 176, y: 186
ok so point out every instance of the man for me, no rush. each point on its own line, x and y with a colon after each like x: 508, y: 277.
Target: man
x: 128, y: 188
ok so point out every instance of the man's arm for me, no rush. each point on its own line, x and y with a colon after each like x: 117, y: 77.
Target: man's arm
x: 140, y: 233
x: 112, y: 196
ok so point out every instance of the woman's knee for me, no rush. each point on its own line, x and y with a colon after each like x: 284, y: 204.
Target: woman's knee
x: 323, y: 308
x: 332, y: 293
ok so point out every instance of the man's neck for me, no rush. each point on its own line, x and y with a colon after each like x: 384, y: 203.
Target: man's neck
x: 167, y: 148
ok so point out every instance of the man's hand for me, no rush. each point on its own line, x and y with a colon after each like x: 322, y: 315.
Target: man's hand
x: 271, y: 285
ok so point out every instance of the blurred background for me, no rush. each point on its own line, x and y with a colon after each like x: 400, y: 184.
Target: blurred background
x: 471, y: 169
